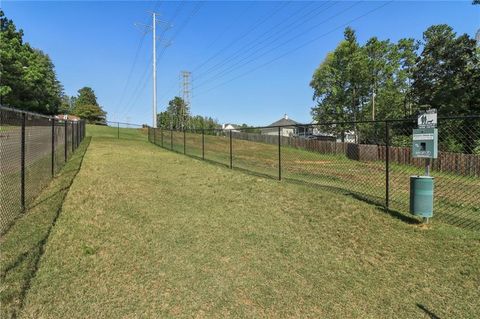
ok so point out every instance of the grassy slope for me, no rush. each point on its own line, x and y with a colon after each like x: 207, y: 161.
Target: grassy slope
x: 113, y: 132
x: 22, y: 246
x: 456, y: 202
x: 148, y: 233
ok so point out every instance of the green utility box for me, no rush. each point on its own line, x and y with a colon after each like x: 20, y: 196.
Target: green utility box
x: 425, y: 143
x: 421, y: 196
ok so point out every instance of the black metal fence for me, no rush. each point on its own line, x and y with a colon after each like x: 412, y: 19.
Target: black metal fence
x: 370, y: 160
x: 33, y: 148
x: 119, y: 130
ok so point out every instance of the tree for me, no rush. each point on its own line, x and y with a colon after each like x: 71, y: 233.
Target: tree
x: 446, y: 75
x: 91, y: 113
x: 176, y: 116
x: 87, y: 107
x: 340, y: 84
x: 66, y: 105
x: 86, y: 96
x: 407, y: 50
x: 28, y: 79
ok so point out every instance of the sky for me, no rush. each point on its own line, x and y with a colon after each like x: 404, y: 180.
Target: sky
x: 250, y: 61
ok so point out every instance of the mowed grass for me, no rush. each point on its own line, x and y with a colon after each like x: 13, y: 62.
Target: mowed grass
x: 147, y: 233
x: 23, y: 244
x: 115, y: 132
x: 456, y: 197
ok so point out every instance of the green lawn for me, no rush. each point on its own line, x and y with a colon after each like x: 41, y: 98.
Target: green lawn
x: 23, y: 245
x: 147, y: 233
x: 114, y: 132
x: 456, y: 199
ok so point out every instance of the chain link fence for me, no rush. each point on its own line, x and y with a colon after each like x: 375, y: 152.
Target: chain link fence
x: 33, y: 148
x: 370, y: 160
x: 119, y: 130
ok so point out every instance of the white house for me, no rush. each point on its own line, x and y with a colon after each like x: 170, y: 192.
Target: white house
x: 230, y: 127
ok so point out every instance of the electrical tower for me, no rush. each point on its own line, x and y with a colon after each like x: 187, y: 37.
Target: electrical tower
x: 185, y: 77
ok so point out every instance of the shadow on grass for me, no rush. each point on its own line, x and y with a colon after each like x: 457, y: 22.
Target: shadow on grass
x: 362, y: 197
x: 23, y: 245
x: 428, y: 312
x: 463, y: 221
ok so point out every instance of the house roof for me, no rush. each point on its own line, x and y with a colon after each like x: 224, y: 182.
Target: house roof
x: 69, y: 117
x: 284, y: 121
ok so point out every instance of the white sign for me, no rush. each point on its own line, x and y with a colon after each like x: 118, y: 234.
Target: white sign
x: 427, y: 119
x: 423, y: 137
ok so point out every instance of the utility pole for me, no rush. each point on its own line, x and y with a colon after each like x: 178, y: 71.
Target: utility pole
x: 186, y: 92
x: 154, y: 38
x: 153, y: 27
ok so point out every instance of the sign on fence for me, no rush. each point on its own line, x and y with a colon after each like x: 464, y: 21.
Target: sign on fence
x: 427, y: 119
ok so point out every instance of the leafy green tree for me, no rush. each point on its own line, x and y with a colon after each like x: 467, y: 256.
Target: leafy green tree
x: 176, y: 116
x: 87, y: 107
x: 446, y: 75
x: 91, y: 113
x: 86, y: 95
x: 66, y: 105
x: 28, y: 79
x: 340, y: 84
x: 407, y: 50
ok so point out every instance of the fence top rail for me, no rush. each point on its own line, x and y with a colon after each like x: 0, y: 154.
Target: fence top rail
x: 48, y: 117
x: 299, y: 125
x: 121, y: 123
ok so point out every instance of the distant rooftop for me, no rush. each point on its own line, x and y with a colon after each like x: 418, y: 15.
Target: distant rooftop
x: 284, y: 121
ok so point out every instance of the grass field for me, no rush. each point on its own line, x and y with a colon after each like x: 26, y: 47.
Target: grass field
x: 456, y: 200
x: 23, y: 245
x: 139, y: 134
x: 147, y: 233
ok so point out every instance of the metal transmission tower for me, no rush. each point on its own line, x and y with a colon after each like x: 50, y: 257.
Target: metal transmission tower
x: 185, y: 77
x: 153, y: 28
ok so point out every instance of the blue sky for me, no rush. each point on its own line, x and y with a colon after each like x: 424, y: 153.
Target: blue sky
x: 251, y: 62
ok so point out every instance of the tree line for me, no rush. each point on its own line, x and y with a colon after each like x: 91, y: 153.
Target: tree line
x: 177, y: 117
x: 381, y: 79
x: 28, y: 80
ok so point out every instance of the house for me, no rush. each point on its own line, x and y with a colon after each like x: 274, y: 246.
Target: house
x: 67, y: 117
x: 230, y: 127
x: 288, y: 128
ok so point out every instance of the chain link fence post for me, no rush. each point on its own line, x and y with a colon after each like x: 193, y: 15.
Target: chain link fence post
x: 73, y: 137
x: 161, y: 136
x: 53, y: 147
x: 118, y: 130
x: 171, y: 139
x: 203, y: 144
x: 66, y: 140
x: 279, y: 154
x: 231, y: 150
x: 387, y: 164
x: 184, y: 142
x: 22, y: 164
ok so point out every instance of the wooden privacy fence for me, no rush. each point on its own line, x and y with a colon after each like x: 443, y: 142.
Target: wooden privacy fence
x: 457, y: 163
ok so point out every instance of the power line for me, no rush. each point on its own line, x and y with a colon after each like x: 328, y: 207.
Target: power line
x: 259, y: 40
x: 234, y: 41
x: 298, y: 47
x: 141, y: 84
x: 239, y: 64
x: 137, y: 51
